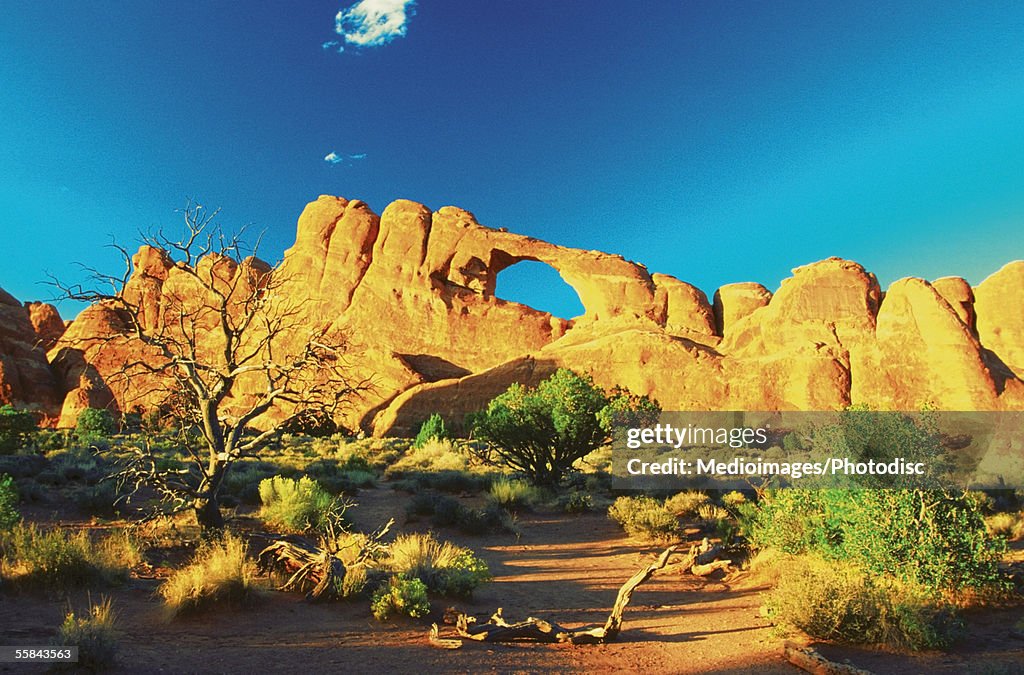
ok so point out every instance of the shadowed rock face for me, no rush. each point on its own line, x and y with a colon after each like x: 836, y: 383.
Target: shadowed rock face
x: 26, y: 380
x: 414, y: 290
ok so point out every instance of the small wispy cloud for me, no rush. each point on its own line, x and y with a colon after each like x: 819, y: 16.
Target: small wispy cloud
x: 333, y: 157
x: 371, y: 23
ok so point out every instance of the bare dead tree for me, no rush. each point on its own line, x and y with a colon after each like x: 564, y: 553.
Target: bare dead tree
x: 231, y: 358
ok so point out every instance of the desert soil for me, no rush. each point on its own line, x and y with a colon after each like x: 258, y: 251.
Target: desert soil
x: 564, y: 568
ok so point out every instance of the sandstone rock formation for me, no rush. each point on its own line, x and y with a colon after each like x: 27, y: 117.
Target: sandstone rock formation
x: 26, y: 380
x: 415, y: 291
x: 999, y: 303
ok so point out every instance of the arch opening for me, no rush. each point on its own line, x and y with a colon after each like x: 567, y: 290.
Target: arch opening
x: 538, y: 286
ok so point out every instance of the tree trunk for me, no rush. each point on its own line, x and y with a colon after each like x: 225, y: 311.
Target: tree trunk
x: 208, y: 514
x: 207, y: 504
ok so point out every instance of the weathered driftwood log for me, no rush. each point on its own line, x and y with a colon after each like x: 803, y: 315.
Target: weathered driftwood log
x: 701, y: 560
x: 307, y: 565
x: 321, y: 566
x: 442, y: 643
x: 539, y: 630
x: 806, y: 658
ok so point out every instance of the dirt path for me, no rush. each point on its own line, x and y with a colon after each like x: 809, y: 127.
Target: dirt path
x: 566, y: 568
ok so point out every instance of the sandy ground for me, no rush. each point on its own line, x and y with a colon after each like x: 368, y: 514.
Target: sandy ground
x: 564, y: 568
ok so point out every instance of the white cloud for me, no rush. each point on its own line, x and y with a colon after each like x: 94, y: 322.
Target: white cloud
x: 371, y: 23
x: 334, y: 158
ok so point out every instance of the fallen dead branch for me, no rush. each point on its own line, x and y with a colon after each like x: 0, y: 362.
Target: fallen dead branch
x: 701, y: 560
x: 808, y: 659
x: 538, y: 630
x: 320, y: 566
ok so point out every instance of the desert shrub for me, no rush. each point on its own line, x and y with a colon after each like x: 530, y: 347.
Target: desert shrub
x: 9, y: 516
x: 48, y: 440
x: 98, y: 499
x: 446, y: 510
x: 61, y: 560
x: 512, y: 494
x: 791, y: 443
x: 357, y: 478
x: 16, y: 427
x: 830, y: 600
x: 423, y: 504
x: 95, y: 635
x: 220, y: 572
x: 30, y: 491
x: 487, y: 519
x: 400, y: 596
x: 576, y: 502
x: 455, y: 482
x: 78, y: 465
x: 444, y: 567
x: 543, y: 431
x: 644, y: 517
x: 1009, y: 526
x: 296, y: 505
x: 686, y: 503
x: 432, y: 429
x: 338, y: 476
x: 95, y: 422
x: 734, y: 499
x: 244, y: 478
x: 928, y: 537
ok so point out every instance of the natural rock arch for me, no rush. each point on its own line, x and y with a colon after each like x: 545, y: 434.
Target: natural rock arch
x: 559, y: 295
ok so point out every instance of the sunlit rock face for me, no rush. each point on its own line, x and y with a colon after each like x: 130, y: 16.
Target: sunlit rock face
x: 414, y: 291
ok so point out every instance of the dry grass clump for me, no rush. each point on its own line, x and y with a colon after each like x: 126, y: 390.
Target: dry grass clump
x: 436, y: 454
x: 220, y: 572
x: 686, y: 503
x: 95, y: 635
x: 59, y: 559
x: 712, y: 513
x: 512, y: 493
x: 444, y: 567
x: 1010, y: 526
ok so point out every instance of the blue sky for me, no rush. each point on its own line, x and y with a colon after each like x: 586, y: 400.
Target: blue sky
x: 714, y: 141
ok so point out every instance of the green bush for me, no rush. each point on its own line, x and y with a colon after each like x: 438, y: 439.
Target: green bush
x: 644, y: 517
x: 9, y: 516
x: 16, y: 426
x: 543, y: 431
x: 62, y: 560
x: 95, y: 635
x: 830, y: 600
x: 400, y: 596
x: 928, y: 537
x: 432, y: 429
x: 444, y: 567
x: 577, y: 501
x: 95, y: 422
x: 295, y: 505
